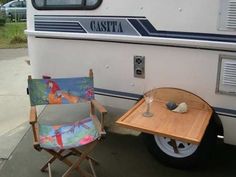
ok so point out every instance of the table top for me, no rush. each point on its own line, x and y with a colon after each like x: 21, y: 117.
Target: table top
x: 188, y: 127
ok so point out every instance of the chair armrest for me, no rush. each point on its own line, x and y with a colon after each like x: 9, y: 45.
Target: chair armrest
x: 33, y: 121
x: 98, y: 125
x: 103, y: 111
x: 37, y: 146
x: 33, y: 115
x: 99, y: 106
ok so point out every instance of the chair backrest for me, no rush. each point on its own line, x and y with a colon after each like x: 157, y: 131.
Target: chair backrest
x: 60, y: 90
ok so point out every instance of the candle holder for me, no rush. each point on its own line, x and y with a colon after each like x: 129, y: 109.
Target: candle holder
x: 148, y: 97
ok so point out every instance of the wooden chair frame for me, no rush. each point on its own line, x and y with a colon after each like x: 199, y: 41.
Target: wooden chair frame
x: 63, y: 154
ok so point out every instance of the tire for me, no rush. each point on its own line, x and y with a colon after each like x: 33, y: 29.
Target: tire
x: 10, y: 16
x: 189, y: 155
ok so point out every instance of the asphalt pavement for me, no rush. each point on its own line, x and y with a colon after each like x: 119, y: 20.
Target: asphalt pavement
x: 14, y: 103
x: 11, y: 54
x: 118, y: 156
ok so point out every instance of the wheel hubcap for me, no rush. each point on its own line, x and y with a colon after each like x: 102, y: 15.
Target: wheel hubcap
x: 184, y: 149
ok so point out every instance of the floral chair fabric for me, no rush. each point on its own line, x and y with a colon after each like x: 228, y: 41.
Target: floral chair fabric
x: 60, y: 90
x: 67, y: 135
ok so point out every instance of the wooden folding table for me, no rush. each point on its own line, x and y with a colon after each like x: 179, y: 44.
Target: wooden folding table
x: 187, y: 127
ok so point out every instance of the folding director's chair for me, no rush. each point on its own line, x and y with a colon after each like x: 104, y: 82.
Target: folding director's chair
x: 64, y: 139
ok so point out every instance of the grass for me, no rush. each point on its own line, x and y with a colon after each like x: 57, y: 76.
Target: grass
x: 12, y: 35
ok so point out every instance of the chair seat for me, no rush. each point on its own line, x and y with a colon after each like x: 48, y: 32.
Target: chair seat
x: 68, y: 135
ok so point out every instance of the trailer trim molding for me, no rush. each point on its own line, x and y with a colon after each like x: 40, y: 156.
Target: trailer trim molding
x: 172, y: 42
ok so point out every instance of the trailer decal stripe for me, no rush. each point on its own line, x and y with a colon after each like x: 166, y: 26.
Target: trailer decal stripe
x: 118, y: 25
x: 138, y: 27
x: 150, y: 31
x: 87, y: 24
x: 195, y: 36
x: 67, y: 26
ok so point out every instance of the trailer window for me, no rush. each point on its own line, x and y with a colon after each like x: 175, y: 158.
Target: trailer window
x: 66, y: 4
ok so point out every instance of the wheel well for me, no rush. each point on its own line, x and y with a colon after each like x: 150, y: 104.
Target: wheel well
x: 217, y: 121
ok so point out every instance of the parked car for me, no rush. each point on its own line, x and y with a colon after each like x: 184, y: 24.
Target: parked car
x: 2, y: 18
x: 15, y: 10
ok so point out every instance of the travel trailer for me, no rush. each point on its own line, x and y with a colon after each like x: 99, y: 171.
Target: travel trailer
x: 132, y: 45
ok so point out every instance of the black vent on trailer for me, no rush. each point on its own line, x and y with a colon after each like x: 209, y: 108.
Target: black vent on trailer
x: 231, y: 15
x: 227, y: 15
x: 226, y: 82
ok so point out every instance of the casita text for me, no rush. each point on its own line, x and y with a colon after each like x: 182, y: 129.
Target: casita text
x: 106, y: 26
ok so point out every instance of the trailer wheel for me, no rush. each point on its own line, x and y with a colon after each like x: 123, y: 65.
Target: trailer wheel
x: 189, y: 155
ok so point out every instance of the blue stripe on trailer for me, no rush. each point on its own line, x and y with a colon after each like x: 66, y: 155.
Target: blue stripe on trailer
x: 124, y: 95
x: 225, y: 112
x: 136, y: 97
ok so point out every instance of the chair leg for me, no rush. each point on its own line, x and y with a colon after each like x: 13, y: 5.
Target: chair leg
x: 55, y: 155
x: 81, y: 158
x: 78, y: 152
x: 52, y: 159
x: 49, y: 170
x: 59, y: 156
x: 92, y: 168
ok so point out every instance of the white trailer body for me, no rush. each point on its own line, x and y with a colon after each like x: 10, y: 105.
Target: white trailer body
x: 185, y: 44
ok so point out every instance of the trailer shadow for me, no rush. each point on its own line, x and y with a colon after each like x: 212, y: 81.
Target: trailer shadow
x: 119, y: 156
x: 128, y: 156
